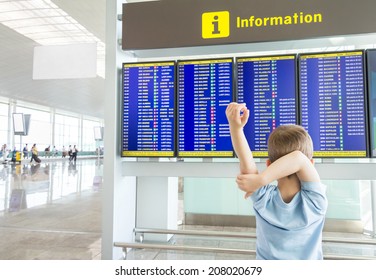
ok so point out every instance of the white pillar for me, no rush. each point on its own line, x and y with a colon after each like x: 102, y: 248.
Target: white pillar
x: 157, y: 205
x: 119, y: 192
x: 373, y: 208
x: 52, y: 122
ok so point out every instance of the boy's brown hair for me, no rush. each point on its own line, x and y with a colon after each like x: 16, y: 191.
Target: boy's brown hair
x: 288, y: 138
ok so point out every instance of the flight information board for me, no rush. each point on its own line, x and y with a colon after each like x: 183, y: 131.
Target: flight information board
x: 333, y: 106
x: 371, y: 67
x: 205, y: 88
x: 148, y: 115
x: 268, y: 87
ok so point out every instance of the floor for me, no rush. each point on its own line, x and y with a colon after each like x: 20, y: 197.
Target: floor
x: 60, y: 219
x: 52, y: 211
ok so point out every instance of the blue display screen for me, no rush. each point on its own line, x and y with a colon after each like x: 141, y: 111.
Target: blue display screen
x: 205, y: 88
x: 371, y: 66
x: 268, y: 86
x: 333, y: 107
x: 148, y: 115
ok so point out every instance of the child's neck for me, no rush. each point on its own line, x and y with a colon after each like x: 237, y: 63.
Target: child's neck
x: 289, y: 187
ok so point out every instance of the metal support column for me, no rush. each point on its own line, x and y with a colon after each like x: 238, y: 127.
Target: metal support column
x: 373, y: 207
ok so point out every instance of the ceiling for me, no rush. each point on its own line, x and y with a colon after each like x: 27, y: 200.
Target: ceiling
x: 84, y: 96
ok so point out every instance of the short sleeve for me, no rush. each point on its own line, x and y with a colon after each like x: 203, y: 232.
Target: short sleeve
x: 263, y: 194
x: 315, y: 194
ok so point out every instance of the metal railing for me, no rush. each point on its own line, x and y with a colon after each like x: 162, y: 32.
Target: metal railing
x: 136, y: 245
x: 142, y: 231
x: 127, y: 245
x: 139, y: 245
x: 252, y: 235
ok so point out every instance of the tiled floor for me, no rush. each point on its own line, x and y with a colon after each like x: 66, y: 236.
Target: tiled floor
x: 61, y: 218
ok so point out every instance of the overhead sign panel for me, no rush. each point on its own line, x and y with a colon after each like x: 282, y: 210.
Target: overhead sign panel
x: 182, y: 23
x: 74, y: 61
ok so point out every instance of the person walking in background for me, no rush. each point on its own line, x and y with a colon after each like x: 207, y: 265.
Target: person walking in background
x: 5, y: 153
x: 74, y: 153
x: 47, y: 152
x: 14, y: 154
x: 70, y: 152
x: 34, y: 154
x: 26, y: 152
x: 64, y: 152
x: 55, y: 152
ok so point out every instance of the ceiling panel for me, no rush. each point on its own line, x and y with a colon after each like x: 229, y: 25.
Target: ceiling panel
x: 85, y: 96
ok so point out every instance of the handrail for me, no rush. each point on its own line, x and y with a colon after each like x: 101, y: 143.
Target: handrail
x: 366, y: 241
x: 252, y: 235
x: 196, y: 232
x: 126, y: 245
x: 347, y: 257
x: 183, y: 248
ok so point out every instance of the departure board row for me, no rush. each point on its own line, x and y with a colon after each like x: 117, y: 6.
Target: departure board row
x: 178, y: 108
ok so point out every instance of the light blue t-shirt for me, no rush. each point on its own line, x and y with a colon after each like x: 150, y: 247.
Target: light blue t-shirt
x: 290, y: 231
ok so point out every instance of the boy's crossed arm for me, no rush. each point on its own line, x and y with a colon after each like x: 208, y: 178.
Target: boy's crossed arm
x: 293, y: 163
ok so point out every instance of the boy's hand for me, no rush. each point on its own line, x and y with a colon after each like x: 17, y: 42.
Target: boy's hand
x: 237, y: 115
x: 249, y: 183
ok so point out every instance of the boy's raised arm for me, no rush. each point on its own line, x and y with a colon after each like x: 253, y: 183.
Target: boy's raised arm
x: 237, y: 116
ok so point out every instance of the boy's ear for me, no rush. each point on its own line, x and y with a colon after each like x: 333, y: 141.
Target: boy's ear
x: 268, y: 162
x: 312, y: 160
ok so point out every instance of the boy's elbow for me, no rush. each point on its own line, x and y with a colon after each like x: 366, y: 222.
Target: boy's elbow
x: 299, y: 157
x: 249, y: 170
x: 297, y: 154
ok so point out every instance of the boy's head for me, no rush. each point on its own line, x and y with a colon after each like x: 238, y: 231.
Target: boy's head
x: 288, y: 138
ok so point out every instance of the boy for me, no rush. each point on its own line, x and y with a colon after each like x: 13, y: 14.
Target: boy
x: 289, y: 216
